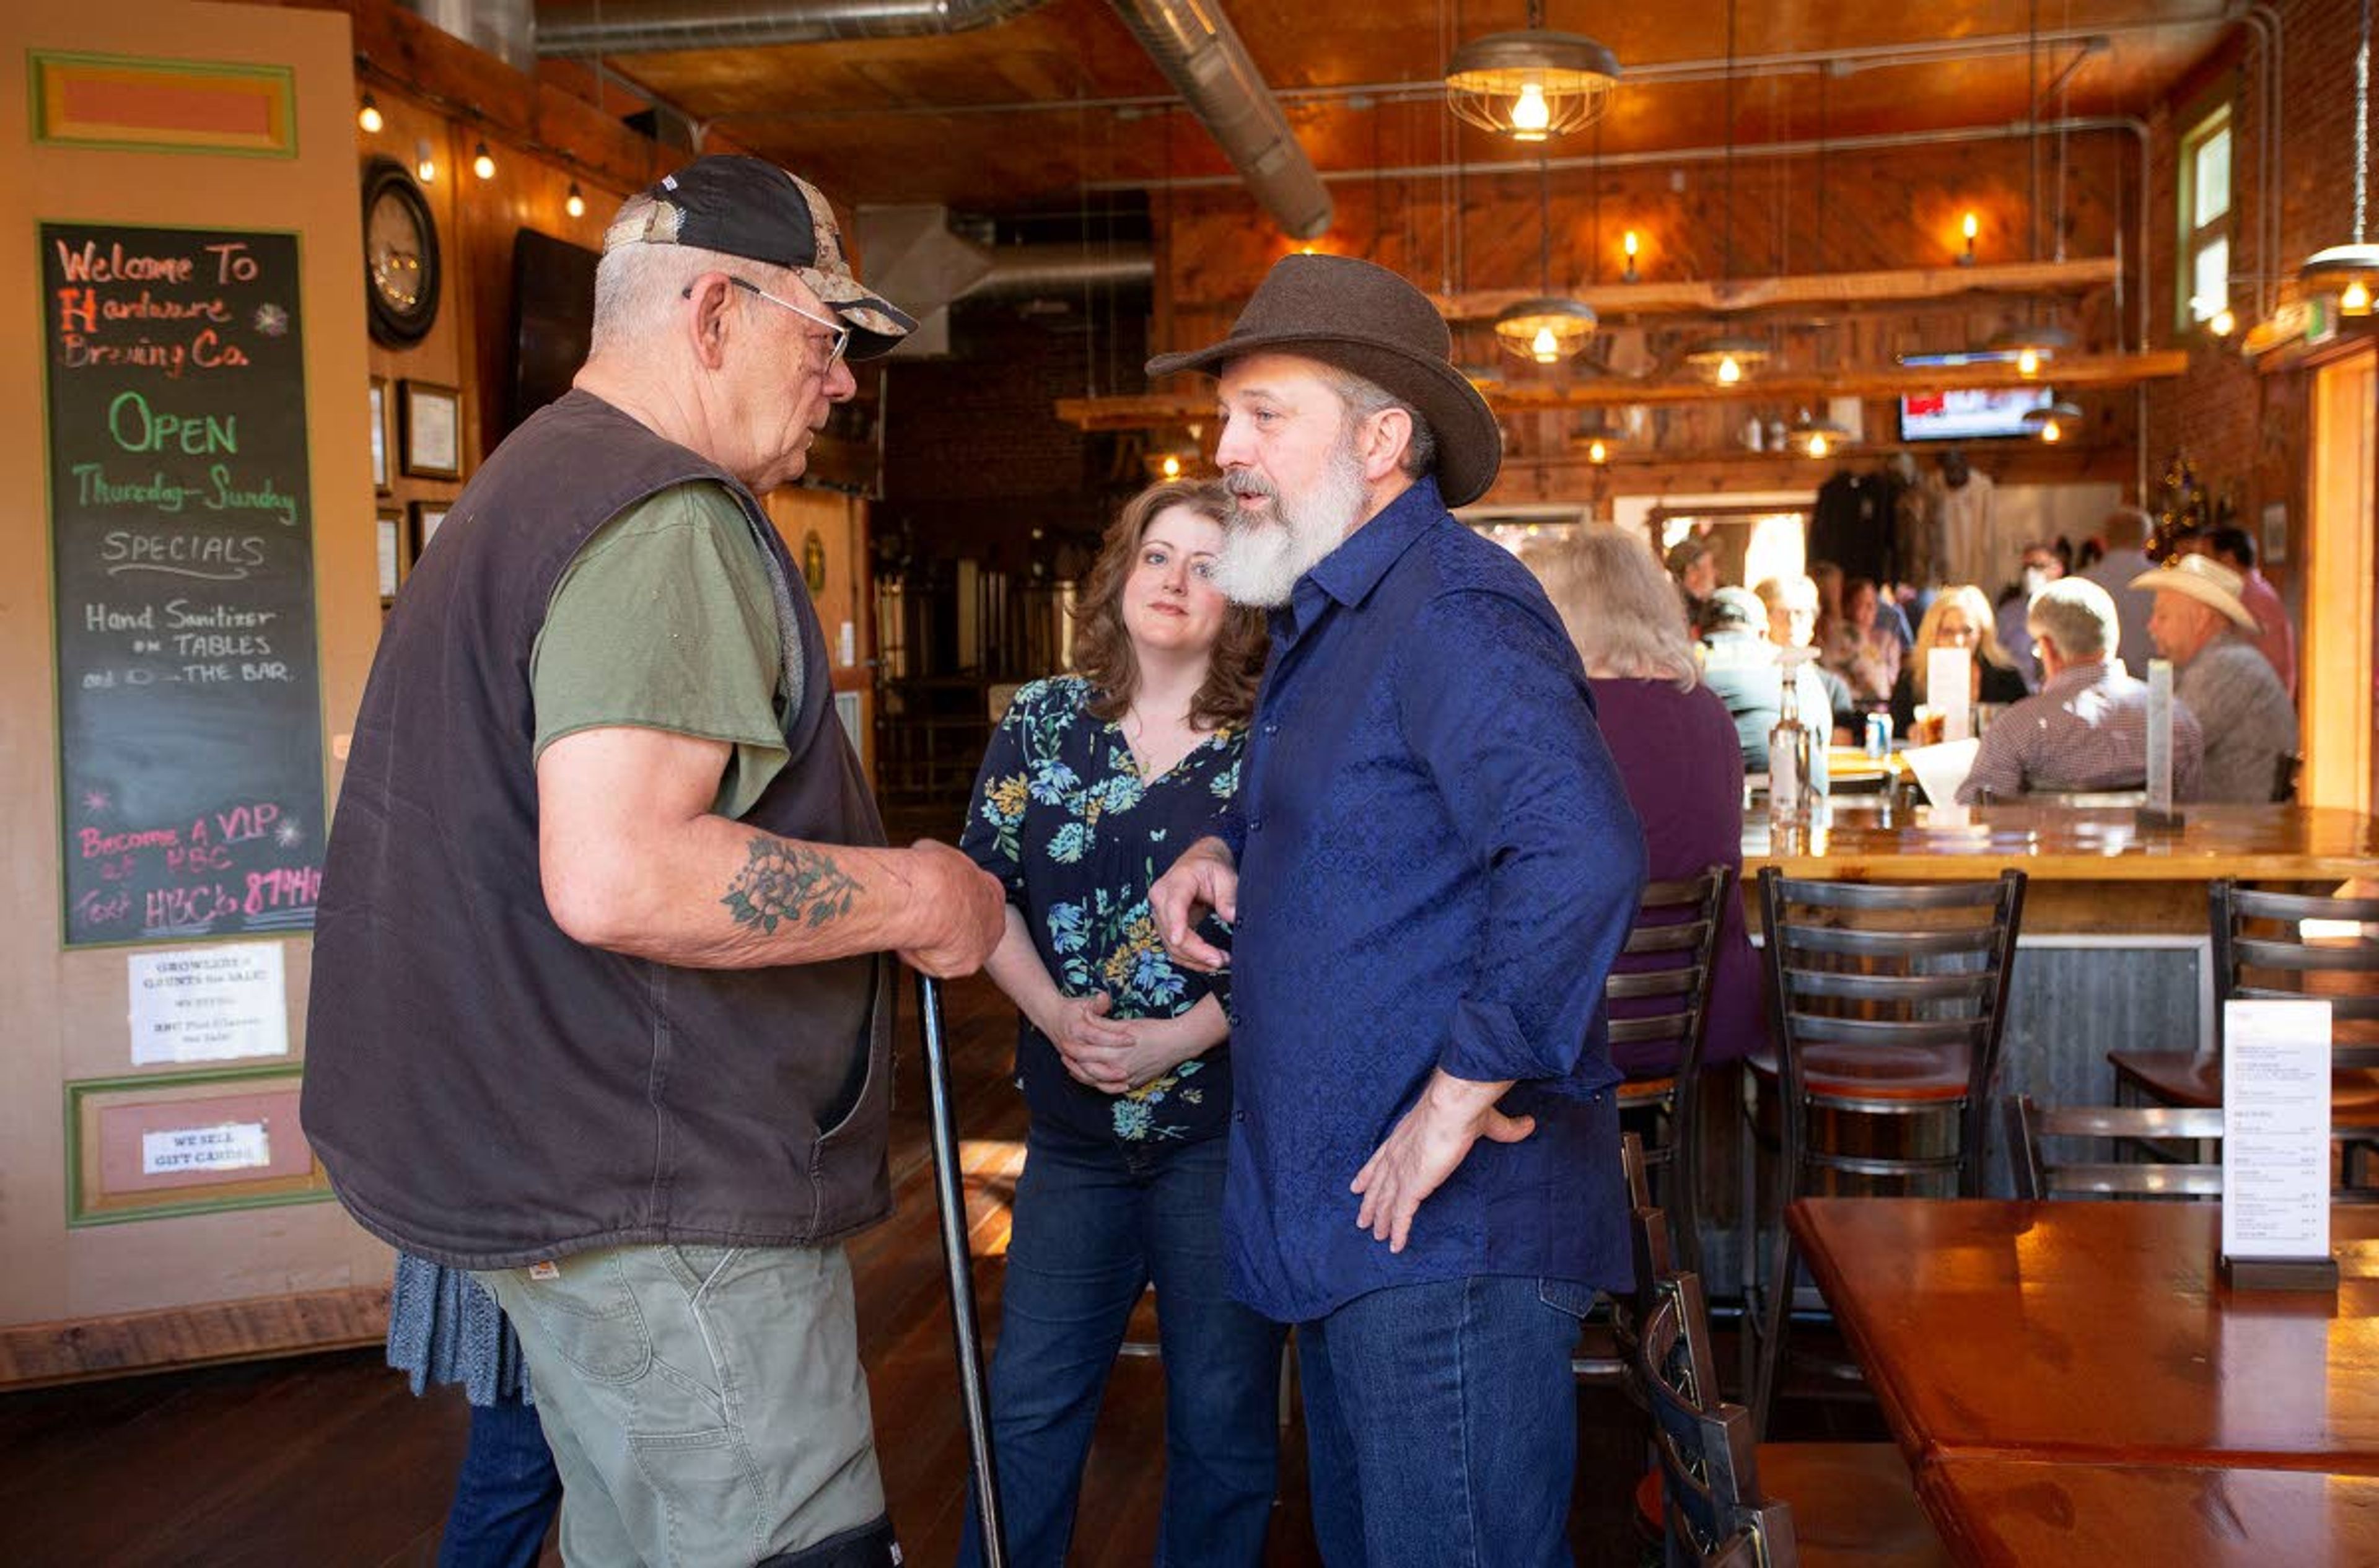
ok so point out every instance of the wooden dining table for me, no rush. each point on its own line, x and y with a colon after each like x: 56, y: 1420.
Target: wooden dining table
x: 2073, y: 1383
x: 2098, y: 1333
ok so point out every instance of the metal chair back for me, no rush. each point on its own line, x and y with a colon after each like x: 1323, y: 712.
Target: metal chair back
x: 1713, y: 1513
x: 1662, y: 977
x: 2029, y: 1126
x: 2261, y: 952
x: 1876, y: 966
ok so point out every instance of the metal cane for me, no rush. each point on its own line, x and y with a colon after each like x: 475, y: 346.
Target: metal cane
x: 951, y: 1195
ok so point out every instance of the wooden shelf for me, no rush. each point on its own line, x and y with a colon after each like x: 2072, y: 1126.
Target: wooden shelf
x: 2102, y: 372
x: 1712, y: 298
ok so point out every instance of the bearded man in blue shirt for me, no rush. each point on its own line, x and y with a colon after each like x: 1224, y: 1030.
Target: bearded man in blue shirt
x: 1431, y: 866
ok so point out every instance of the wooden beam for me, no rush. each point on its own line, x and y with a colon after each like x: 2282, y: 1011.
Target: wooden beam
x: 1569, y: 477
x: 34, y: 1354
x: 1711, y: 297
x: 2103, y: 372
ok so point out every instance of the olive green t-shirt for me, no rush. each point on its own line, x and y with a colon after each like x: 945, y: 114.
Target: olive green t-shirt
x: 665, y: 620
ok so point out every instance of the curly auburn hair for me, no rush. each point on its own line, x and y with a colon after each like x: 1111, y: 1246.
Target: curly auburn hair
x: 1103, y: 652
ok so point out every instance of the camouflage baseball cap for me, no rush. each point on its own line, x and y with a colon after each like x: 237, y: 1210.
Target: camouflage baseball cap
x: 745, y: 207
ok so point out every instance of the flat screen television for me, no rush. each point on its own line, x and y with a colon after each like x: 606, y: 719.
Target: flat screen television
x: 1970, y: 415
x: 554, y: 314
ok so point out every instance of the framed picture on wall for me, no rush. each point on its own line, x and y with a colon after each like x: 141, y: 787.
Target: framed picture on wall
x: 427, y: 516
x: 390, y: 528
x: 379, y: 434
x: 431, y: 419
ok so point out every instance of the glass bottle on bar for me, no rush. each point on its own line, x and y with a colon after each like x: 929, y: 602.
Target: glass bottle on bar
x: 1788, y: 789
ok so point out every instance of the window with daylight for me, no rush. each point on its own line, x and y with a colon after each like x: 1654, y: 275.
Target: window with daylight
x: 2204, y: 288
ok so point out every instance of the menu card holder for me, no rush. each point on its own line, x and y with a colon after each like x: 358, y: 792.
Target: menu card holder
x: 2158, y: 813
x: 2275, y: 1148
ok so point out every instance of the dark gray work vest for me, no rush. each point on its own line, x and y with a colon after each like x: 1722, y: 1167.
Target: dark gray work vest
x: 483, y: 1090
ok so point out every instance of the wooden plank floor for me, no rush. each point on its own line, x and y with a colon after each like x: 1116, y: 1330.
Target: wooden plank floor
x: 329, y: 1460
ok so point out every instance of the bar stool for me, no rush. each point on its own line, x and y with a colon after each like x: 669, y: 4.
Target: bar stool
x: 1887, y: 1003
x: 2261, y: 952
x: 1659, y: 991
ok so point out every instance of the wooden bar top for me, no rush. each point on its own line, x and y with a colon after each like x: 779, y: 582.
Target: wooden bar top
x: 2019, y: 1513
x: 1865, y: 841
x: 2098, y: 1332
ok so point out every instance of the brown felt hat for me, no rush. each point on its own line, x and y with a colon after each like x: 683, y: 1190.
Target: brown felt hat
x: 1365, y: 319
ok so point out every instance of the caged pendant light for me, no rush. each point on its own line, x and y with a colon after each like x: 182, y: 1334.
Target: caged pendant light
x: 1730, y: 357
x: 1550, y: 328
x: 2353, y: 268
x: 2033, y: 344
x: 1530, y: 85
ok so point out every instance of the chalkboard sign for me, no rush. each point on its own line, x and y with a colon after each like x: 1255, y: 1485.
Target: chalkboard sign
x: 189, y: 728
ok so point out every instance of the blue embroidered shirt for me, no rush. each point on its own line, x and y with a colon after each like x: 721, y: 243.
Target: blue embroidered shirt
x: 1063, y: 818
x: 1437, y: 865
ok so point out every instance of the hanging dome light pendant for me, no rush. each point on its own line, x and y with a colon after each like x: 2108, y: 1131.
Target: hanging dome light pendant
x: 1531, y: 85
x: 2353, y: 269
x: 1550, y: 328
x: 1729, y: 358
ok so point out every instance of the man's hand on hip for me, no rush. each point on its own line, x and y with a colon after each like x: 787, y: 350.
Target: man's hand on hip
x: 1428, y: 1144
x: 1204, y: 878
x: 957, y: 909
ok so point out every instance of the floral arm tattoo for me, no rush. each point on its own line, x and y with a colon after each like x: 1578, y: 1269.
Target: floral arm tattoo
x: 784, y: 881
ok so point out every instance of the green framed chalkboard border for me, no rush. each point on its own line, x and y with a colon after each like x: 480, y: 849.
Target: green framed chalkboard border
x: 86, y: 1097
x: 280, y: 79
x: 296, y: 238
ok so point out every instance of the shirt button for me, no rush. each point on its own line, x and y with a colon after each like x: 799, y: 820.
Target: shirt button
x: 1238, y: 1116
x: 1255, y: 825
x: 1272, y: 728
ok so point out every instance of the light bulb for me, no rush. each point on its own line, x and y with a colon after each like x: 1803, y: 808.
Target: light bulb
x: 425, y: 167
x: 2222, y: 323
x: 574, y: 204
x: 1596, y: 452
x: 1729, y: 372
x: 1817, y: 447
x: 1628, y: 243
x: 483, y: 163
x: 1544, y: 348
x: 2052, y: 432
x: 1531, y: 115
x: 2356, y: 300
x: 2027, y: 362
x: 368, y: 116
x: 1171, y: 467
x: 1971, y: 227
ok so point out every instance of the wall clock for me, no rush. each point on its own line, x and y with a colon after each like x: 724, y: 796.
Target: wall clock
x: 401, y: 268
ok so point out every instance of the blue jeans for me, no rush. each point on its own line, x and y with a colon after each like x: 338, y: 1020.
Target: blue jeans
x: 1442, y: 1423
x: 1093, y: 1227
x: 506, y: 1493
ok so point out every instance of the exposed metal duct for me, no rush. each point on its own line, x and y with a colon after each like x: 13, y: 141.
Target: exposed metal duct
x: 638, y: 27
x: 1192, y: 43
x: 506, y: 28
x: 915, y: 261
x: 1198, y: 50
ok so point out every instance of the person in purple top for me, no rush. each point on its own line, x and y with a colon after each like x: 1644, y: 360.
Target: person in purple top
x: 1675, y: 745
x: 1430, y: 867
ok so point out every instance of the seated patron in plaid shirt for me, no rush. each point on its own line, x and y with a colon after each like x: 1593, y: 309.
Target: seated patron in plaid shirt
x: 2087, y: 726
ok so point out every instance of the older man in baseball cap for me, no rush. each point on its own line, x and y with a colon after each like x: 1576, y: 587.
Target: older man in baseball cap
x: 601, y: 1001
x: 1430, y: 867
x: 2201, y: 623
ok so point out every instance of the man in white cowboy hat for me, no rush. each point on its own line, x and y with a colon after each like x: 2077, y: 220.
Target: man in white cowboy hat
x: 1429, y: 868
x: 2202, y: 624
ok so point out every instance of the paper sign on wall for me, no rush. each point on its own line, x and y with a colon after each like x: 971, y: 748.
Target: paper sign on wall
x: 208, y: 1003
x: 233, y: 1146
x: 2275, y: 1129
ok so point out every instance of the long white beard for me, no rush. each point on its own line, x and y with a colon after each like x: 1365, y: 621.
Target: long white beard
x: 1262, y: 558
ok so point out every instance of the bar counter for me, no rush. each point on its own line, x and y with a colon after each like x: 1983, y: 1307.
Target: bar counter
x: 2091, y: 869
x: 2115, y: 950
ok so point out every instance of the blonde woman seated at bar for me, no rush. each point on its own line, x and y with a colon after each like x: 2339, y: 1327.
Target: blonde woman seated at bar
x: 1675, y: 745
x: 1960, y: 618
x: 2087, y: 728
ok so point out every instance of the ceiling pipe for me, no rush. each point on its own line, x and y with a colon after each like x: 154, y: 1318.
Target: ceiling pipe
x: 653, y: 26
x: 1196, y: 47
x: 1192, y: 43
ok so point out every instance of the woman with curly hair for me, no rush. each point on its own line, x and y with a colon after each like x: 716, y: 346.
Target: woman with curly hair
x: 1092, y: 783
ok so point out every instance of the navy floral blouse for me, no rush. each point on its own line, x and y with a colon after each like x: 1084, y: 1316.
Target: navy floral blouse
x: 1062, y: 816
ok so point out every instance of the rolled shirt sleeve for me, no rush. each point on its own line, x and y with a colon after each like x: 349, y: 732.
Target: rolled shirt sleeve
x: 1501, y: 718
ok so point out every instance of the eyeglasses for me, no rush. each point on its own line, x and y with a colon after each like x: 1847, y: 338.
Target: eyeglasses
x: 840, y: 330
